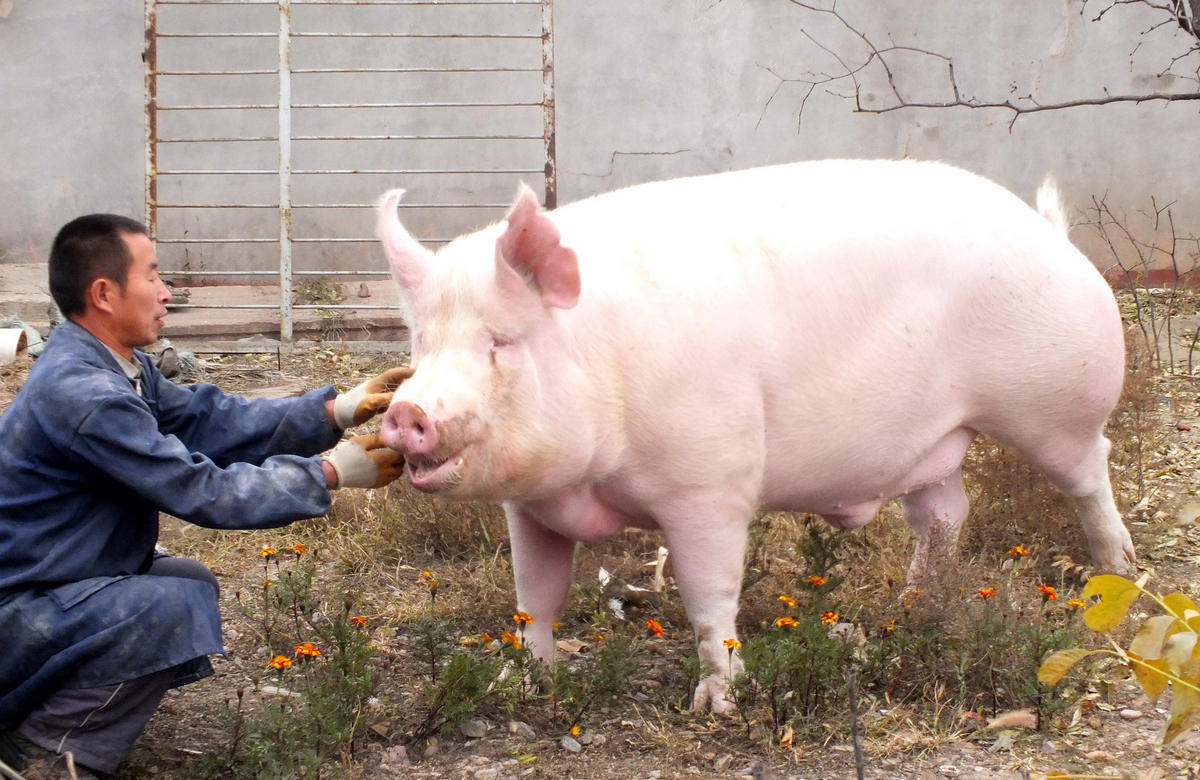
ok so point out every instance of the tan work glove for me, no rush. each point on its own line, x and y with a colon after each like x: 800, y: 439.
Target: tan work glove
x: 364, y: 462
x: 361, y: 403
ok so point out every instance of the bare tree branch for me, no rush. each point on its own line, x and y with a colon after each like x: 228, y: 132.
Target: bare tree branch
x: 1183, y: 13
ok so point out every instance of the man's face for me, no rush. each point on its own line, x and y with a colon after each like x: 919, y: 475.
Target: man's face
x: 139, y: 308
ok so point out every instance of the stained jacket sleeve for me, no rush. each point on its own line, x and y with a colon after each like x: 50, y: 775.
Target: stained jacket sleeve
x: 248, y: 487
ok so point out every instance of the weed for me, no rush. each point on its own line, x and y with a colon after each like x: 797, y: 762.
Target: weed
x: 321, y: 687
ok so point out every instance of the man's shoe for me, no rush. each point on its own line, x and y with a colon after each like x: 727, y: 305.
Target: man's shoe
x: 16, y: 751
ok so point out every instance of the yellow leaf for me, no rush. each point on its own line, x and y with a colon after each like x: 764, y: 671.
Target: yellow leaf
x: 1152, y: 676
x: 1058, y: 664
x: 1152, y: 635
x: 1180, y: 606
x: 1177, y: 650
x: 1116, y: 595
x: 1056, y: 775
x: 1180, y: 723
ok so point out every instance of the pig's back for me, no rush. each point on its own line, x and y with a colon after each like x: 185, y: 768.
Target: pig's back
x: 846, y: 307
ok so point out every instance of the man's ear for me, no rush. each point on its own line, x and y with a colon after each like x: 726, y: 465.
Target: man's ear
x: 100, y: 294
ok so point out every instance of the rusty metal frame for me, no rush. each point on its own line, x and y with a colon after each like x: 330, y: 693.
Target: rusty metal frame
x: 285, y: 105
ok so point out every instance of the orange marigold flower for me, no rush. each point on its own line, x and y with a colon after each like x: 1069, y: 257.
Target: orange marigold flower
x: 785, y: 622
x: 890, y: 625
x: 597, y: 637
x: 575, y: 730
x: 426, y: 574
x: 1077, y: 603
x: 985, y: 593
x: 308, y: 649
x: 298, y: 548
x: 523, y: 618
x: 829, y: 617
x: 1018, y: 551
x: 359, y: 620
x: 486, y: 638
x: 510, y: 638
x: 655, y: 627
x: 791, y: 602
x: 816, y: 581
x: 1048, y: 592
x: 731, y: 644
x: 556, y: 625
x: 267, y: 551
x: 280, y: 662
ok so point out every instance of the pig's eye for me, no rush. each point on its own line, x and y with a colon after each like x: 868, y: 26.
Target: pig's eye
x: 498, y: 342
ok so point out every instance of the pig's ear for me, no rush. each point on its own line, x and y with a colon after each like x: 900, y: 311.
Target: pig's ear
x: 531, y: 246
x: 409, y: 260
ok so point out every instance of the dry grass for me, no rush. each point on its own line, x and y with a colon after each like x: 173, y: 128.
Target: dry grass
x: 373, y: 545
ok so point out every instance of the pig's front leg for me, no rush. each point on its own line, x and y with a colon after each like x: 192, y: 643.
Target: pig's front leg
x: 542, y: 561
x: 707, y: 556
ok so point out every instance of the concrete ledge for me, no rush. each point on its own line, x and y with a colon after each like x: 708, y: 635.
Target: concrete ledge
x: 213, y: 312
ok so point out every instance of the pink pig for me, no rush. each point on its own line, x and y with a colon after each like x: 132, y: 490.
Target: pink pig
x: 820, y: 337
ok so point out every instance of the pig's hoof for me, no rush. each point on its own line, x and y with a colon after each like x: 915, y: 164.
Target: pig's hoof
x: 713, y: 693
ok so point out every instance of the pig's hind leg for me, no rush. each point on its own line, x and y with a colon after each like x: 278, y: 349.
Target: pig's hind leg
x: 1078, y: 466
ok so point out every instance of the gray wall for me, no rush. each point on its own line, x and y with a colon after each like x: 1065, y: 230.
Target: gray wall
x: 71, y: 118
x: 652, y: 88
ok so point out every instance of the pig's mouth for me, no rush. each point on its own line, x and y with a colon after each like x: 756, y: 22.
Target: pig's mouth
x: 430, y: 475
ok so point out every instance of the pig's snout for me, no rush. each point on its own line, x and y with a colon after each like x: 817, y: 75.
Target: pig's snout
x: 407, y: 429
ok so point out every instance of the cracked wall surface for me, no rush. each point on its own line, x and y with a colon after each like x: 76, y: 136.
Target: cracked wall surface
x: 650, y: 89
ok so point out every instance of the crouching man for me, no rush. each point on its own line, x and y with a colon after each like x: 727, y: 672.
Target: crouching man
x: 96, y: 626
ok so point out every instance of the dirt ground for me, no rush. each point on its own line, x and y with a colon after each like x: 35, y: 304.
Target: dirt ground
x: 650, y: 734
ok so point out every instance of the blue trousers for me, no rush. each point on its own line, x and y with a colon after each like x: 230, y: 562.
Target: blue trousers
x: 100, y: 725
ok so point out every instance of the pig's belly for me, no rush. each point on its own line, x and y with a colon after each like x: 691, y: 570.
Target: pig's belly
x: 847, y: 488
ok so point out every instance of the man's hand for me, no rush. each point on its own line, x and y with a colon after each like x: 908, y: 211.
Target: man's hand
x: 364, y: 462
x: 361, y: 403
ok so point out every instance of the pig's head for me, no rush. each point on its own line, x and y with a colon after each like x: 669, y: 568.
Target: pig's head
x: 489, y: 353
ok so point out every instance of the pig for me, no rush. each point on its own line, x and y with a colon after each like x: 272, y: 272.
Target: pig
x: 819, y: 336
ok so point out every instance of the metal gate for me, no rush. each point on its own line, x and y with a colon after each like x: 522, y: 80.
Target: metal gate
x: 273, y: 125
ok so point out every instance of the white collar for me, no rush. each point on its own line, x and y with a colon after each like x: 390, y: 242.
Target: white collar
x: 132, y: 368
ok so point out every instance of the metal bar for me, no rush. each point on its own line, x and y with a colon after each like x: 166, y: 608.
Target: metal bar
x: 285, y: 170
x: 223, y: 107
x: 415, y: 138
x: 219, y: 35
x: 411, y: 36
x: 150, y: 89
x: 548, y: 130
x: 272, y: 71
x: 412, y: 2
x: 217, y: 241
x: 398, y: 105
x: 218, y: 205
x: 215, y: 140
x: 413, y: 70
x: 219, y: 273
x: 263, y: 72
x: 416, y: 172
x: 218, y: 172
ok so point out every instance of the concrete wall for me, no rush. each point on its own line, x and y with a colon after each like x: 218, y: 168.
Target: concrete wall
x: 647, y: 89
x: 697, y: 86
x: 71, y: 118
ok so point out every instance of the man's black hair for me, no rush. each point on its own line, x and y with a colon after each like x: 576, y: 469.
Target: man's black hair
x: 85, y: 249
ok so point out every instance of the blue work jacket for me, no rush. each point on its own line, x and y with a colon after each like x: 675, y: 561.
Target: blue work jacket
x: 86, y: 464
